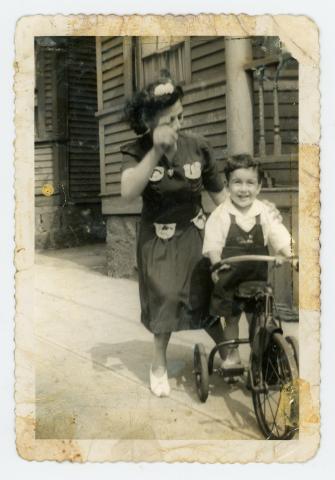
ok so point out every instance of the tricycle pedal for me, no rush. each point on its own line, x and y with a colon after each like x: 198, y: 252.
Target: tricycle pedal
x: 230, y: 372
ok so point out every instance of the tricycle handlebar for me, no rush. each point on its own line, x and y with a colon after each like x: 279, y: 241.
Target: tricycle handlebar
x: 248, y: 258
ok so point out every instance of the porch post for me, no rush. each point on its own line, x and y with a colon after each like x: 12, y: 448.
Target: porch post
x: 239, y: 100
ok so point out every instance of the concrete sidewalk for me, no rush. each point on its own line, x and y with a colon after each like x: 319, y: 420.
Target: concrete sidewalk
x: 93, y: 360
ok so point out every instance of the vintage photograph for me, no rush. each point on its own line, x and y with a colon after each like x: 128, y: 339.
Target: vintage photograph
x: 165, y: 196
x: 156, y: 159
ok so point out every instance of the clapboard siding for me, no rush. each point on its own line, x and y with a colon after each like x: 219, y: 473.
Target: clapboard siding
x: 205, y: 108
x: 207, y: 58
x: 201, y: 93
x: 46, y: 171
x: 83, y: 144
x: 112, y: 70
x: 114, y: 134
x: 204, y: 46
x: 205, y: 114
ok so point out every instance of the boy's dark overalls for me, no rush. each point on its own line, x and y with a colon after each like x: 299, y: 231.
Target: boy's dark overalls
x: 238, y: 242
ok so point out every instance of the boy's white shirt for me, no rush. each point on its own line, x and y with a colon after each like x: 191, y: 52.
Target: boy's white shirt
x: 217, y: 226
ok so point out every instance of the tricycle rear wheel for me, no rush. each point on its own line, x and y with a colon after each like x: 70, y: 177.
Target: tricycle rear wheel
x: 201, y: 372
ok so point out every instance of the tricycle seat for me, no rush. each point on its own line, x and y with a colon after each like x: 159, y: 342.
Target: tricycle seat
x: 247, y: 290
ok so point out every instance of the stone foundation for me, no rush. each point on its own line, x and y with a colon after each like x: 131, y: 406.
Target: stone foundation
x: 121, y: 245
x: 70, y: 226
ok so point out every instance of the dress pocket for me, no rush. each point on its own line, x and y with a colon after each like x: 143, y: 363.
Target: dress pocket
x: 199, y: 220
x: 157, y: 174
x: 165, y: 231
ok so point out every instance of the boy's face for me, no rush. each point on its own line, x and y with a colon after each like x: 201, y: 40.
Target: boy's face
x: 243, y: 187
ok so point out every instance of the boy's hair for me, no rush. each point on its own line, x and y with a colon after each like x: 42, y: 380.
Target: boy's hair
x: 243, y: 160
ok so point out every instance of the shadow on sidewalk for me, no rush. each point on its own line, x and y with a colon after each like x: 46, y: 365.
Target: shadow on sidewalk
x: 133, y: 358
x: 75, y: 409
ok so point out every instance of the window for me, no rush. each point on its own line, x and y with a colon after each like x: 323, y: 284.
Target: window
x: 157, y: 53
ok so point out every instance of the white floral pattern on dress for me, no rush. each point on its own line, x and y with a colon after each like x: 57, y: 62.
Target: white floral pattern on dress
x: 165, y: 231
x: 192, y: 170
x: 199, y: 220
x: 157, y: 174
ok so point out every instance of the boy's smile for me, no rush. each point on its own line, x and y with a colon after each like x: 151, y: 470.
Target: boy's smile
x: 243, y: 187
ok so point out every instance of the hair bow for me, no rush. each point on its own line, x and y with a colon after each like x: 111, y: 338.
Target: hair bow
x: 163, y: 89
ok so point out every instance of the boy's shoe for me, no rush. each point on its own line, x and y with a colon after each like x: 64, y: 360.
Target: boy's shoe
x: 232, y: 360
x: 159, y: 385
x: 232, y: 367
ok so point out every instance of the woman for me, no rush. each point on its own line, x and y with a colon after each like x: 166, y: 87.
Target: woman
x: 169, y: 168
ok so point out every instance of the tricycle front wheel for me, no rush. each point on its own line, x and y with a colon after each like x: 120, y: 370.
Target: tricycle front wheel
x: 292, y: 340
x: 275, y: 391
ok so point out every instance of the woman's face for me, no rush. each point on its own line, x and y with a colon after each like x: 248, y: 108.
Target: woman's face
x: 170, y: 116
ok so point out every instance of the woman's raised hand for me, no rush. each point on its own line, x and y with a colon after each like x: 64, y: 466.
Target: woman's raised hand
x: 165, y: 140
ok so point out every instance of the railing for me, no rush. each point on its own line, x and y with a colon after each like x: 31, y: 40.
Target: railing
x: 260, y: 69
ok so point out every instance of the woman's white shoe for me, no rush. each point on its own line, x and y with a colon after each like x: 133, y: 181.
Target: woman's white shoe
x: 159, y: 385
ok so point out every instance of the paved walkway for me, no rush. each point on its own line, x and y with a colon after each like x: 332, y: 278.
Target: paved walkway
x: 93, y: 359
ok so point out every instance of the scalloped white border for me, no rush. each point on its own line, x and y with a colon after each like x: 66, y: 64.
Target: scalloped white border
x: 300, y: 35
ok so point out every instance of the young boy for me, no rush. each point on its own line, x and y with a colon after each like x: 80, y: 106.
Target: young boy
x: 241, y: 225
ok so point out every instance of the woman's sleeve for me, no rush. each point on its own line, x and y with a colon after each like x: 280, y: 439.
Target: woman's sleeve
x: 212, y: 180
x: 130, y: 156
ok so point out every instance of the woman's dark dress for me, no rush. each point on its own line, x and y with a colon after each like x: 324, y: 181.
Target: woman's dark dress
x: 174, y: 278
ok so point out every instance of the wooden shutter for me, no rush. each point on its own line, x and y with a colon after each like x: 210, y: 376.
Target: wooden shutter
x: 83, y: 138
x: 112, y: 71
x: 46, y: 84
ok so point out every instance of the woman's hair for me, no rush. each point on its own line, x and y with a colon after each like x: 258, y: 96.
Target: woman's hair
x: 145, y: 104
x: 243, y: 160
